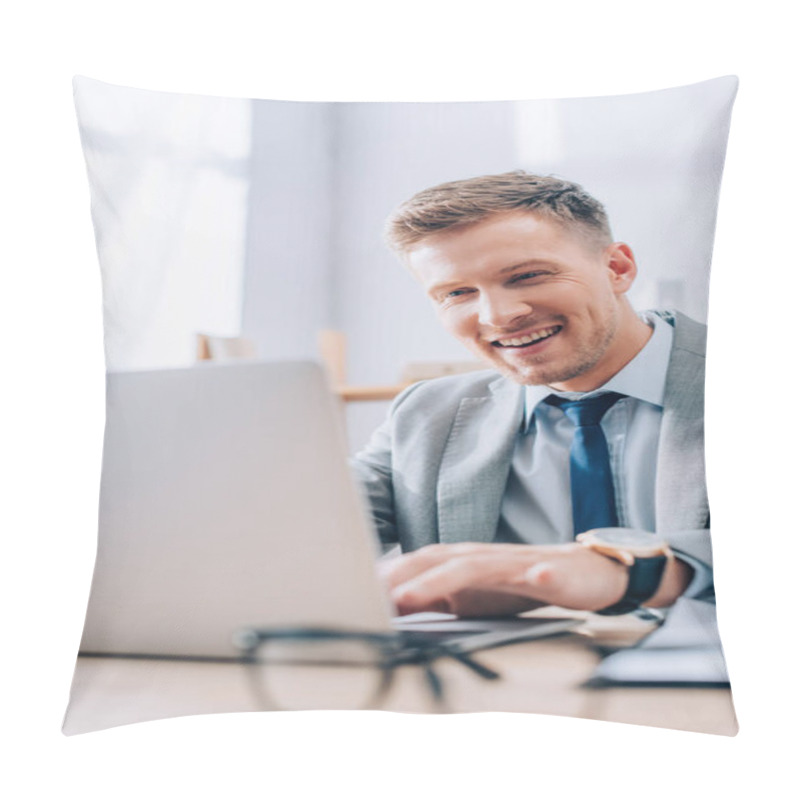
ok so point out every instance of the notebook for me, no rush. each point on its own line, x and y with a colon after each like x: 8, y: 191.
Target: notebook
x: 226, y: 502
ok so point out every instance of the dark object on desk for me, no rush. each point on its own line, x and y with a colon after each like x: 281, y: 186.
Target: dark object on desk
x: 685, y: 651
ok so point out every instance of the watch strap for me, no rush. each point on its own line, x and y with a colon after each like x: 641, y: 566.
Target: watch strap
x: 644, y: 578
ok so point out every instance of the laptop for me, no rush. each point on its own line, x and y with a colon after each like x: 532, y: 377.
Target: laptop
x: 226, y: 503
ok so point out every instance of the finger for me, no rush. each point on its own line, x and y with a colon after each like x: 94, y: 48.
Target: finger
x: 497, y: 571
x: 402, y: 569
x: 489, y: 603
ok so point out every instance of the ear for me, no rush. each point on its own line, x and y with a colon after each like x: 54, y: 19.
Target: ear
x: 621, y: 267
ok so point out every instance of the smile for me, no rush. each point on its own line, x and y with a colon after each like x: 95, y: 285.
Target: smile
x: 524, y: 341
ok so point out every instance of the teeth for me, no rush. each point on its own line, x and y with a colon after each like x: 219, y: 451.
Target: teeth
x: 534, y: 337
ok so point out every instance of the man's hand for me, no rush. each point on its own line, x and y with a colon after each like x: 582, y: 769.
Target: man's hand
x: 473, y: 579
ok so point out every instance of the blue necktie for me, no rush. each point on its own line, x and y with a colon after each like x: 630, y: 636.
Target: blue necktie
x: 591, y: 482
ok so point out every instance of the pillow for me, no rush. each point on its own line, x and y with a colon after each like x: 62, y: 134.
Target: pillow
x: 240, y: 239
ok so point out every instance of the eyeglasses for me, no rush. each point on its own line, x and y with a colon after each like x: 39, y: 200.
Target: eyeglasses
x: 319, y: 668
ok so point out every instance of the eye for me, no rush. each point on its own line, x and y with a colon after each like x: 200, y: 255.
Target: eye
x: 454, y: 295
x: 525, y: 276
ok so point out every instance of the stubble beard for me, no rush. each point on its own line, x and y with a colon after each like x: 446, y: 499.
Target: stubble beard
x: 585, y: 358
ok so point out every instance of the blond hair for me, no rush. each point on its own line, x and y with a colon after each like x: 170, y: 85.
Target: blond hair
x: 474, y: 199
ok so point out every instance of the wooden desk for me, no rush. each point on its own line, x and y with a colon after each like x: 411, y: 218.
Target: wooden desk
x: 369, y: 394
x: 542, y: 677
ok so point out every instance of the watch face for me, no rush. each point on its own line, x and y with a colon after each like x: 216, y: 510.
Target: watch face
x: 626, y: 537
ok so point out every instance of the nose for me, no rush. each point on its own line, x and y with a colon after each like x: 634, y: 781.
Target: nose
x: 500, y: 309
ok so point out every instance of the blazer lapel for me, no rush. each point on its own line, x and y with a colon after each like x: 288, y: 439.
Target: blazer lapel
x: 681, y: 499
x: 476, y: 462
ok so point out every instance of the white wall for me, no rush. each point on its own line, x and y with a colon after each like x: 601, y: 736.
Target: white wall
x: 287, y: 295
x: 169, y: 177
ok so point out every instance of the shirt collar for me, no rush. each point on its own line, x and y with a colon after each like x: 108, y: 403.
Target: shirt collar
x: 643, y: 377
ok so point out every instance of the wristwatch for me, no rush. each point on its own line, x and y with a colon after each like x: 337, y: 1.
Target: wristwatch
x: 645, y: 554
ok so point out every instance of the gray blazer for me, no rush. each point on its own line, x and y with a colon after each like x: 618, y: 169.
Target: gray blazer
x: 437, y: 469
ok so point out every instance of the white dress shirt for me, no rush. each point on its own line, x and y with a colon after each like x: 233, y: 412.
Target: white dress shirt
x: 537, y: 506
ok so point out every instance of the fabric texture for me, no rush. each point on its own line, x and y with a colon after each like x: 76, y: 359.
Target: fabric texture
x: 260, y: 220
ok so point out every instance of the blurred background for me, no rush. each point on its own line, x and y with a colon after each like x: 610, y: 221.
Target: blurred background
x: 231, y: 227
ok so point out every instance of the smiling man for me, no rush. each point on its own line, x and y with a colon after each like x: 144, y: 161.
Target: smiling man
x: 575, y: 477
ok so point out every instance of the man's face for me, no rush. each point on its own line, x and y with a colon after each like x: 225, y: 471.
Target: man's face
x: 539, y: 301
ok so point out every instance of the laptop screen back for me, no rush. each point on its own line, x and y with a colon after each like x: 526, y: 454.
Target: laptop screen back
x: 226, y: 501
